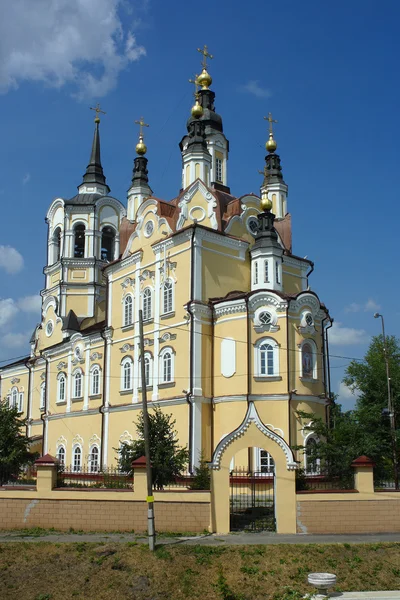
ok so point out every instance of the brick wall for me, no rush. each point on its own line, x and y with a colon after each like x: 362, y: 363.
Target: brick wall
x: 101, y: 515
x: 349, y: 516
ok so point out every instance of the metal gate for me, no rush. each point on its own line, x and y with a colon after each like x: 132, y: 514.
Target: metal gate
x: 252, y: 498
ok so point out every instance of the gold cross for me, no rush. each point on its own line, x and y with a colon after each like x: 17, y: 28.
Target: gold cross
x: 206, y: 55
x: 196, y: 85
x: 270, y: 120
x: 98, y: 110
x: 142, y: 124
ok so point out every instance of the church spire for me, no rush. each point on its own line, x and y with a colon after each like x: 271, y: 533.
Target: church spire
x: 273, y: 187
x: 94, y: 180
x: 140, y: 188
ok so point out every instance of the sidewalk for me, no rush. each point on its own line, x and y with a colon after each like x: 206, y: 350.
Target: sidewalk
x: 262, y: 538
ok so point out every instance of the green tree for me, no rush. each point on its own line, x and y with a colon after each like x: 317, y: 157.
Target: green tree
x: 14, y: 444
x: 365, y: 429
x: 202, y: 477
x: 168, y: 459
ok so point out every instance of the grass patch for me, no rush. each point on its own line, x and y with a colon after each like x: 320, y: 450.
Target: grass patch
x: 93, y: 571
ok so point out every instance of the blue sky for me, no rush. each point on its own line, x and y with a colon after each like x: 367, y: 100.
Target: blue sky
x: 327, y: 71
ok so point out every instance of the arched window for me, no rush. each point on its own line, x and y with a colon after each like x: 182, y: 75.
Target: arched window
x: 147, y: 369
x: 308, y: 360
x: 166, y: 365
x: 56, y: 244
x: 61, y: 387
x: 128, y: 310
x: 267, y: 358
x: 126, y: 373
x: 168, y: 305
x: 147, y: 304
x: 14, y: 398
x: 79, y: 241
x: 267, y: 464
x: 61, y: 456
x: 95, y: 381
x: 77, y: 390
x: 77, y: 459
x: 107, y: 244
x: 312, y: 462
x: 94, y: 459
x: 148, y: 364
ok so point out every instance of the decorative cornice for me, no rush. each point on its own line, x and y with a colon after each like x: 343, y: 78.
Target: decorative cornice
x: 252, y: 417
x: 267, y: 299
x: 230, y: 307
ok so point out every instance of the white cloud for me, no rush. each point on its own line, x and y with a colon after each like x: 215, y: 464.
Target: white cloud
x: 10, y: 259
x: 345, y: 392
x: 14, y: 340
x: 8, y: 310
x: 369, y: 306
x: 30, y: 304
x: 253, y: 87
x: 26, y: 178
x: 347, y: 336
x: 81, y: 42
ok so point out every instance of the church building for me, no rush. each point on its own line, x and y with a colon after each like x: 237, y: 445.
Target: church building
x: 230, y: 319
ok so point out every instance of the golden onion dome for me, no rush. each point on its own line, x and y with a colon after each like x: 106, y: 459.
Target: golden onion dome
x: 271, y: 145
x: 197, y: 110
x: 141, y: 147
x: 204, y: 79
x: 266, y: 204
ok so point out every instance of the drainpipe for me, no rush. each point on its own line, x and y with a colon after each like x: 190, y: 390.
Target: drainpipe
x: 103, y: 403
x: 289, y: 387
x: 212, y: 390
x: 189, y: 394
x: 309, y: 273
x: 249, y: 387
x: 323, y: 353
x: 28, y: 402
x: 328, y: 364
x: 42, y: 414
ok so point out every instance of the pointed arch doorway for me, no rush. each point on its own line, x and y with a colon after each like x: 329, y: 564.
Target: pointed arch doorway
x: 253, y: 433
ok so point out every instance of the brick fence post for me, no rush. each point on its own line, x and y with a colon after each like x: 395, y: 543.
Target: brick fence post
x: 46, y: 467
x: 364, y: 474
x: 140, y: 478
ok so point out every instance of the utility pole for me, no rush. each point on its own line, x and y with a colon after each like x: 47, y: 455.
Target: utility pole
x: 150, y: 498
x: 390, y: 405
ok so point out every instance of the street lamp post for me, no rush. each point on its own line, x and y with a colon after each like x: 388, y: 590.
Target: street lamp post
x: 390, y: 404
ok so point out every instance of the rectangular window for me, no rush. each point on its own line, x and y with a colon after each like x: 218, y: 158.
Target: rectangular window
x: 255, y: 273
x: 266, y: 279
x: 277, y: 272
x: 20, y: 402
x: 218, y: 169
x: 42, y: 397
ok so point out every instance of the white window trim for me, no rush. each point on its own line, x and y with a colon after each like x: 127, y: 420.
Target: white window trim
x: 91, y: 382
x: 74, y: 374
x: 164, y: 351
x: 124, y: 361
x: 13, y: 403
x: 58, y: 451
x: 145, y: 317
x: 313, y: 346
x: 257, y: 357
x: 164, y: 311
x: 74, y: 448
x: 311, y: 436
x: 92, y: 447
x: 150, y: 357
x: 42, y: 400
x: 59, y: 377
x: 21, y: 402
x: 125, y: 323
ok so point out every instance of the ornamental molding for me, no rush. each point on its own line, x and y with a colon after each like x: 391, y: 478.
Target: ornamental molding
x: 167, y: 337
x: 125, y: 437
x: 252, y: 417
x: 305, y: 299
x: 57, y: 203
x: 222, y: 240
x: 47, y: 303
x: 110, y: 201
x: 61, y: 365
x: 127, y: 348
x: 96, y: 356
x: 197, y: 186
x: 147, y: 274
x: 127, y: 282
x: 43, y: 376
x: 15, y: 380
x: 127, y: 260
x: 200, y: 310
x: 272, y: 326
x: 61, y: 442
x: 78, y: 361
x: 290, y: 261
x: 171, y: 242
x: 77, y: 440
x: 229, y: 308
x: 94, y: 440
x: 148, y: 342
x: 263, y: 299
x: 80, y: 262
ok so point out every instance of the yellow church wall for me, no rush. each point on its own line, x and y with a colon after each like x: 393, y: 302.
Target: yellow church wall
x: 275, y: 415
x: 206, y: 358
x: 84, y: 430
x: 78, y: 302
x: 271, y: 385
x: 291, y: 283
x: 228, y: 416
x: 38, y: 378
x: 221, y: 274
x: 77, y: 275
x: 44, y: 341
x: 226, y: 327
x: 20, y: 376
x: 206, y: 434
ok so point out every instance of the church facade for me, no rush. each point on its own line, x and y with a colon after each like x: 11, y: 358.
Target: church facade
x: 229, y: 316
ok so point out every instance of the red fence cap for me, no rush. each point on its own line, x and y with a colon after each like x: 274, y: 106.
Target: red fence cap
x: 139, y: 462
x: 363, y: 461
x: 47, y: 459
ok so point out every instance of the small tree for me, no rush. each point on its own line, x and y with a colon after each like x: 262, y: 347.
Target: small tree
x: 14, y: 444
x: 168, y: 459
x: 202, y: 478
